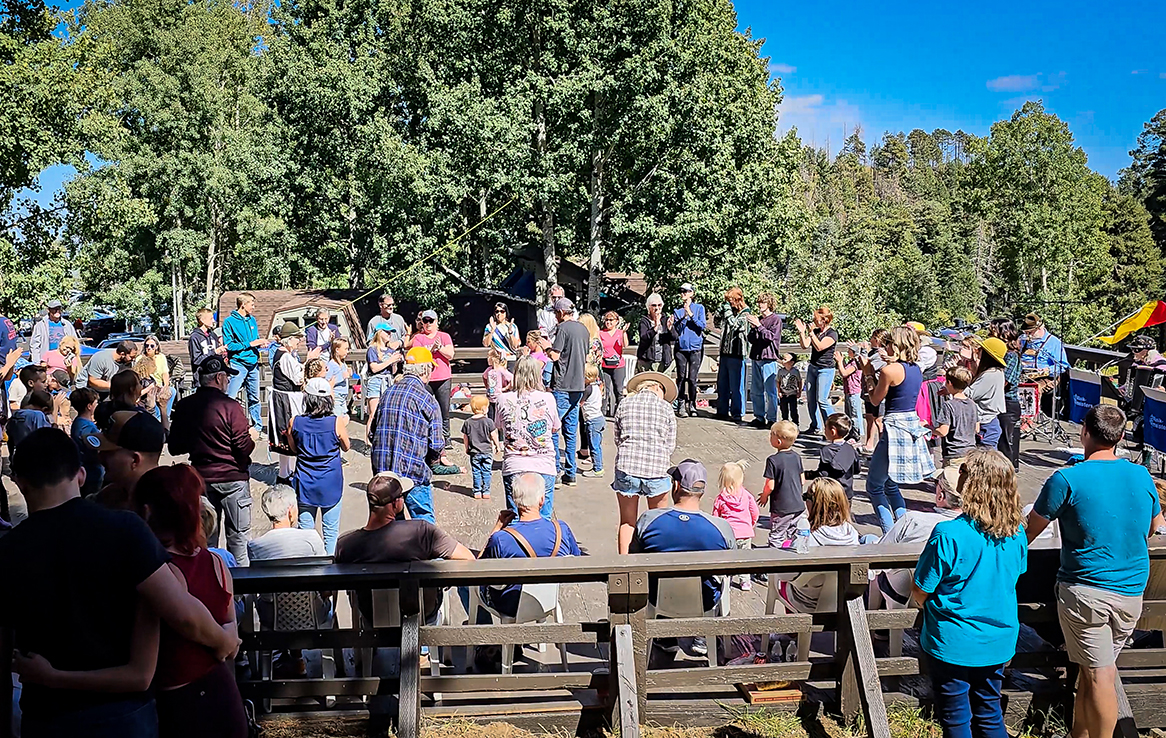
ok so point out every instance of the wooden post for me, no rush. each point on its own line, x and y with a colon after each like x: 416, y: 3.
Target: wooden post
x: 626, y: 693
x: 627, y: 600
x: 858, y: 681
x: 1126, y: 727
x: 409, y: 695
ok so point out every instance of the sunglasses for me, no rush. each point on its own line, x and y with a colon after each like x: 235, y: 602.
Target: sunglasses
x: 499, y: 312
x: 427, y: 321
x: 151, y: 345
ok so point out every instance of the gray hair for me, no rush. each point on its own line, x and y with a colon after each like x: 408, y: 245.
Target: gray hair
x: 528, y: 376
x: 278, y: 500
x: 654, y: 299
x: 528, y: 491
x: 418, y: 370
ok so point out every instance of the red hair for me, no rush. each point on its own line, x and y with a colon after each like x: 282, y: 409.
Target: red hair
x: 173, y: 495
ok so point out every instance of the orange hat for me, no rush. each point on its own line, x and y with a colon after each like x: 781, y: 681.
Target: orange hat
x: 419, y: 355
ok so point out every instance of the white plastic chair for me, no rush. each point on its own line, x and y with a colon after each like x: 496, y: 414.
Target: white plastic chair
x: 683, y: 597
x: 537, y: 603
x: 827, y: 602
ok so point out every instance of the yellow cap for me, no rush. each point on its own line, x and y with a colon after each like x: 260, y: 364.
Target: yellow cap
x: 917, y: 327
x: 995, y: 348
x: 419, y: 355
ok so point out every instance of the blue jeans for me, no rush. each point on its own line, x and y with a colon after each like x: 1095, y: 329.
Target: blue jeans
x: 967, y: 699
x: 568, y: 404
x: 419, y: 502
x: 989, y: 435
x: 482, y: 470
x: 126, y: 719
x: 547, y: 510
x: 855, y: 409
x: 883, y: 491
x: 250, y: 378
x: 329, y: 521
x: 764, y: 392
x: 818, y: 384
x: 595, y: 436
x: 731, y: 386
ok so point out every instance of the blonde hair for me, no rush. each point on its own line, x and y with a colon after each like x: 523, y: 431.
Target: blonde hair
x: 988, y: 489
x: 591, y: 372
x: 145, y: 366
x: 784, y: 430
x: 479, y: 403
x: 904, y: 344
x: 528, y: 376
x: 315, y: 368
x: 732, y: 476
x: 533, y: 337
x: 334, y: 349
x: 207, y: 517
x: 826, y: 503
x: 494, y: 358
x: 588, y: 320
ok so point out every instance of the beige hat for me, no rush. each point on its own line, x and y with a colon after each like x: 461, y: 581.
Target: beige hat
x: 664, y: 380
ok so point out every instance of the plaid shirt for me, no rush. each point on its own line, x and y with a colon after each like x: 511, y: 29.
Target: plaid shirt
x: 1011, y: 376
x: 407, y: 430
x: 645, y: 436
x: 909, y: 458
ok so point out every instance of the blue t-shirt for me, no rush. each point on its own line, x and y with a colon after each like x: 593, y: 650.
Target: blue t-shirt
x: 7, y: 338
x: 540, y: 534
x: 1105, y: 507
x: 673, y: 531
x: 56, y: 333
x: 22, y: 423
x: 84, y: 434
x: 970, y: 618
x: 339, y: 372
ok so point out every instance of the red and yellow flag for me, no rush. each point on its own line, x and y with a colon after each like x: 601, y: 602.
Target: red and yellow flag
x: 1152, y: 313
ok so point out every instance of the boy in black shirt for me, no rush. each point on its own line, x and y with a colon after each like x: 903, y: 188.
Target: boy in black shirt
x: 839, y: 459
x: 481, y: 444
x: 783, y: 482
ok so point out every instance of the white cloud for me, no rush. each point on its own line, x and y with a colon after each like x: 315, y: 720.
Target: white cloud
x: 778, y: 68
x: 1014, y: 83
x: 1139, y: 71
x: 820, y: 122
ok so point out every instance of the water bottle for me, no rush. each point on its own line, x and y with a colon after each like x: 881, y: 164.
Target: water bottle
x: 802, y: 541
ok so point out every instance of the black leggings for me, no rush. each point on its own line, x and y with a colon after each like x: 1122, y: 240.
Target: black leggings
x: 440, y: 390
x: 613, y: 381
x: 1009, y: 443
x: 687, y: 372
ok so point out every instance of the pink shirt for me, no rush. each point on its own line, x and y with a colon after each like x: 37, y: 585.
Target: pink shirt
x: 497, y: 381
x: 441, y: 370
x: 739, y: 510
x: 527, y: 425
x: 612, y: 345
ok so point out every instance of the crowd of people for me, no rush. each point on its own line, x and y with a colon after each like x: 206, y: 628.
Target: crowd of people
x: 108, y: 523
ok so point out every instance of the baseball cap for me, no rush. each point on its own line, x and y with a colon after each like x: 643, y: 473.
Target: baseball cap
x: 419, y: 355
x: 431, y: 314
x: 690, y: 475
x: 53, y: 304
x: 133, y: 431
x: 318, y: 387
x: 917, y: 327
x: 387, y: 487
x: 563, y: 305
x: 213, y: 365
x: 687, y: 287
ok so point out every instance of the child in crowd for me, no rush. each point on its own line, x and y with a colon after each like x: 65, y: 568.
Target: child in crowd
x: 59, y: 385
x: 314, y: 368
x: 783, y: 482
x: 592, y: 409
x: 481, y: 445
x: 534, y: 348
x: 838, y: 459
x: 31, y: 377
x: 84, y: 433
x: 789, y: 388
x: 34, y: 414
x: 957, y: 421
x: 148, y: 397
x: 965, y: 582
x: 337, y: 375
x: 871, y: 365
x: 497, y: 379
x: 736, y: 505
x: 850, y: 373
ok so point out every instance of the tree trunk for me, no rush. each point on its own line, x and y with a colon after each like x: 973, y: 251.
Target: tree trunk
x: 177, y: 319
x: 595, y: 270
x: 354, y: 269
x: 542, y: 208
x: 211, y: 255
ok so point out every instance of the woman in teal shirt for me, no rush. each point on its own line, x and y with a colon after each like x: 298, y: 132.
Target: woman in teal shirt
x: 966, y: 584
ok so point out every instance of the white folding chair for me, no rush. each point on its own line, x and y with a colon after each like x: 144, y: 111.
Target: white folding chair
x: 776, y: 605
x: 536, y: 604
x: 683, y: 597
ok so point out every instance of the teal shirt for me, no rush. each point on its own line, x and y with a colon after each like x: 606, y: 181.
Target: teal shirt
x: 1105, y: 508
x: 970, y: 618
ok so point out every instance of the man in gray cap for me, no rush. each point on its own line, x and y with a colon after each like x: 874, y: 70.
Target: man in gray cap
x: 685, y: 527
x: 569, y: 354
x: 48, y: 332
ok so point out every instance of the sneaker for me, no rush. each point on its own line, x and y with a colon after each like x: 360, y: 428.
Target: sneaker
x: 485, y: 495
x: 758, y: 423
x: 592, y: 474
x: 746, y: 586
x: 699, y: 647
x: 762, y: 578
x: 569, y: 481
x: 477, y: 495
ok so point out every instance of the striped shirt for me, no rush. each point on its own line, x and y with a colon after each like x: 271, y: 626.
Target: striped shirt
x: 407, y: 430
x: 645, y: 436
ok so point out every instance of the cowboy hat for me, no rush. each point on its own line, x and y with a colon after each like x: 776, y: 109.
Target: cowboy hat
x: 664, y: 380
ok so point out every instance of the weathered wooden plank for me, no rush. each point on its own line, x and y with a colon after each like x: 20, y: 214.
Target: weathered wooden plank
x: 896, y: 619
x: 731, y: 626
x: 270, y: 640
x: 867, y: 670
x: 296, y: 688
x: 506, y: 682
x: 1126, y: 725
x: 409, y: 707
x: 627, y: 694
x: 485, y: 635
x: 852, y: 580
x: 703, y: 676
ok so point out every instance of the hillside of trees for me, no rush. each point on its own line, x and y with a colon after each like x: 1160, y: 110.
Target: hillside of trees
x: 334, y: 143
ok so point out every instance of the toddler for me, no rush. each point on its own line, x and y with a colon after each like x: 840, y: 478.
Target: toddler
x: 592, y: 408
x: 481, y: 445
x: 783, y: 482
x: 736, y: 505
x: 789, y: 387
x: 851, y: 374
x: 958, y: 419
x: 497, y: 379
x: 838, y: 459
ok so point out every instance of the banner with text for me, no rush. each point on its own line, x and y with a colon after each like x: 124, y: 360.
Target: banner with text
x: 1082, y: 396
x: 1154, y: 429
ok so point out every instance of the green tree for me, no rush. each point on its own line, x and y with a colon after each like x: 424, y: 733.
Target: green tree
x: 1145, y: 178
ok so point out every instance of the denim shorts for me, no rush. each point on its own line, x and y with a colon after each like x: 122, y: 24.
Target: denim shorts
x: 630, y: 486
x: 373, y: 387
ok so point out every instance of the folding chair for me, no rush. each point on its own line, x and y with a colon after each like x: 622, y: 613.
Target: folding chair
x: 536, y: 604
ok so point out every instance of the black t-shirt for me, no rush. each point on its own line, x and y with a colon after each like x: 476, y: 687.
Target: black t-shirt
x: 824, y: 359
x: 70, y: 576
x: 477, y: 432
x: 398, y: 542
x: 839, y: 461
x: 572, y: 341
x: 785, y: 469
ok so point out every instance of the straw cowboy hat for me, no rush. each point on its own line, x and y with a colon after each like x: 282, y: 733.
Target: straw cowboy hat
x: 664, y: 380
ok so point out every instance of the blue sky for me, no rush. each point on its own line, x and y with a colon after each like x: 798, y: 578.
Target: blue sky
x: 1100, y: 66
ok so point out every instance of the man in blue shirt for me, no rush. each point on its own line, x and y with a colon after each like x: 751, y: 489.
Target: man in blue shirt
x: 684, y: 527
x: 530, y: 536
x: 1041, y: 351
x: 688, y: 324
x: 241, y: 336
x: 48, y: 332
x: 1107, y: 508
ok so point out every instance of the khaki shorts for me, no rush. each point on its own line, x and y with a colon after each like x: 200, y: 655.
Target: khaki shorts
x: 1096, y: 622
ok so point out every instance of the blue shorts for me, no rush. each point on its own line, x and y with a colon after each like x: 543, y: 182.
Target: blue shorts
x: 630, y: 486
x: 373, y: 387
